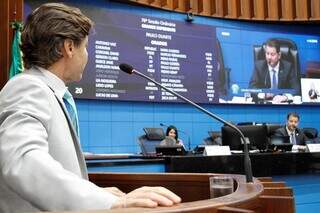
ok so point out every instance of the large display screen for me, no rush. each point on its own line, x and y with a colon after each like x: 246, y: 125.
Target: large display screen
x: 179, y: 56
x: 206, y: 63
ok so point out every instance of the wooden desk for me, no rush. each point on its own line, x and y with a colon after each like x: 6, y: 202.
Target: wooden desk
x: 263, y: 164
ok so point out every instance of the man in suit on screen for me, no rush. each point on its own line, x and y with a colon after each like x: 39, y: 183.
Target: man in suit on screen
x: 41, y: 163
x: 273, y: 72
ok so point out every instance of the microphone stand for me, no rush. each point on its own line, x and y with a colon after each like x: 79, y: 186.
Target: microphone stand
x: 247, y: 162
x: 189, y: 143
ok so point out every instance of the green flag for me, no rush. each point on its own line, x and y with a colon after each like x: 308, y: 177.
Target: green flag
x: 16, y: 60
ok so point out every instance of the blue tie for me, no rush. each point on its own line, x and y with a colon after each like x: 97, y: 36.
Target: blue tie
x: 293, y: 139
x: 274, y: 80
x: 72, y: 111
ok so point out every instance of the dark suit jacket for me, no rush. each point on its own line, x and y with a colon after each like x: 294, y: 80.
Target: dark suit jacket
x: 287, y: 77
x: 300, y: 137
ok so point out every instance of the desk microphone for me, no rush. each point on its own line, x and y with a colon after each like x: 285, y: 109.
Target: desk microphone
x: 247, y: 163
x: 189, y: 143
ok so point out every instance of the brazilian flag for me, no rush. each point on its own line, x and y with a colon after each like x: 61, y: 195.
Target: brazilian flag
x: 16, y: 60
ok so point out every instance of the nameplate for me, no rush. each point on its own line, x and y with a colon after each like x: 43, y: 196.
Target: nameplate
x: 298, y: 148
x: 216, y: 150
x: 313, y: 147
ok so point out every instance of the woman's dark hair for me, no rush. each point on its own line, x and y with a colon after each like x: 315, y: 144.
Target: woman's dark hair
x: 174, y: 128
x: 45, y: 31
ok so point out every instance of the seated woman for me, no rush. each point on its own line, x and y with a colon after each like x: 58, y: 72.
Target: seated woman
x: 171, y: 137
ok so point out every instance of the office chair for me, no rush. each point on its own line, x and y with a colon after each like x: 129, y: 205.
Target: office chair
x: 311, y: 134
x: 150, y: 140
x: 271, y: 128
x: 288, y: 49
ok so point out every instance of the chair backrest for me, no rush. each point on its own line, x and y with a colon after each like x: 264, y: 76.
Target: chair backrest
x: 271, y: 128
x: 148, y: 147
x: 154, y: 133
x: 288, y: 49
x: 310, y: 132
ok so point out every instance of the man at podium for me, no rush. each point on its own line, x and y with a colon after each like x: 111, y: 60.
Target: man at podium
x: 41, y: 163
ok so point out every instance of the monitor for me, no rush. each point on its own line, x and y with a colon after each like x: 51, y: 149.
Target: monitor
x: 280, y: 143
x: 257, y: 135
x: 170, y: 150
x: 279, y: 140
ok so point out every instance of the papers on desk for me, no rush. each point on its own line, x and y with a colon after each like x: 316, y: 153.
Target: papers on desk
x: 241, y: 100
x: 236, y: 151
x: 240, y: 151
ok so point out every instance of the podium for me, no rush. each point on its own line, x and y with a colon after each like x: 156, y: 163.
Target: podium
x: 262, y: 195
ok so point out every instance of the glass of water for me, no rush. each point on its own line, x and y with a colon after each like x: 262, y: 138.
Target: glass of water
x: 220, y: 186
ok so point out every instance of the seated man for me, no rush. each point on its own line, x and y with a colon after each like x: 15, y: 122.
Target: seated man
x: 273, y: 72
x: 213, y: 139
x: 291, y: 129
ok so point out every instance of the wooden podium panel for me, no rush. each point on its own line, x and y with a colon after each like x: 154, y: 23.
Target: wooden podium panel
x: 193, y: 188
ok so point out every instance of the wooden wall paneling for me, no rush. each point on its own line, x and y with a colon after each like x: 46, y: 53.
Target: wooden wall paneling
x: 288, y: 10
x: 197, y: 6
x: 11, y: 10
x: 303, y: 11
x: 234, y: 9
x: 246, y: 9
x: 274, y: 10
x: 175, y: 4
x: 213, y: 8
x: 168, y: 4
x: 221, y: 8
x: 260, y: 9
x: 158, y: 3
x: 4, y: 42
x: 145, y: 1
x: 194, y: 6
x: 269, y: 10
x: 183, y: 6
x: 315, y: 10
x: 206, y: 8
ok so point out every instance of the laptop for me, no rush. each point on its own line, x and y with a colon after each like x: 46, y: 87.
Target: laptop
x: 170, y: 150
x: 281, y: 143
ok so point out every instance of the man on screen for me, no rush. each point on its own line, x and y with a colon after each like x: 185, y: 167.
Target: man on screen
x: 41, y: 164
x: 273, y: 72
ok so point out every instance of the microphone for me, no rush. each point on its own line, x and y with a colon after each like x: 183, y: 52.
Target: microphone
x: 247, y: 162
x: 189, y: 143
